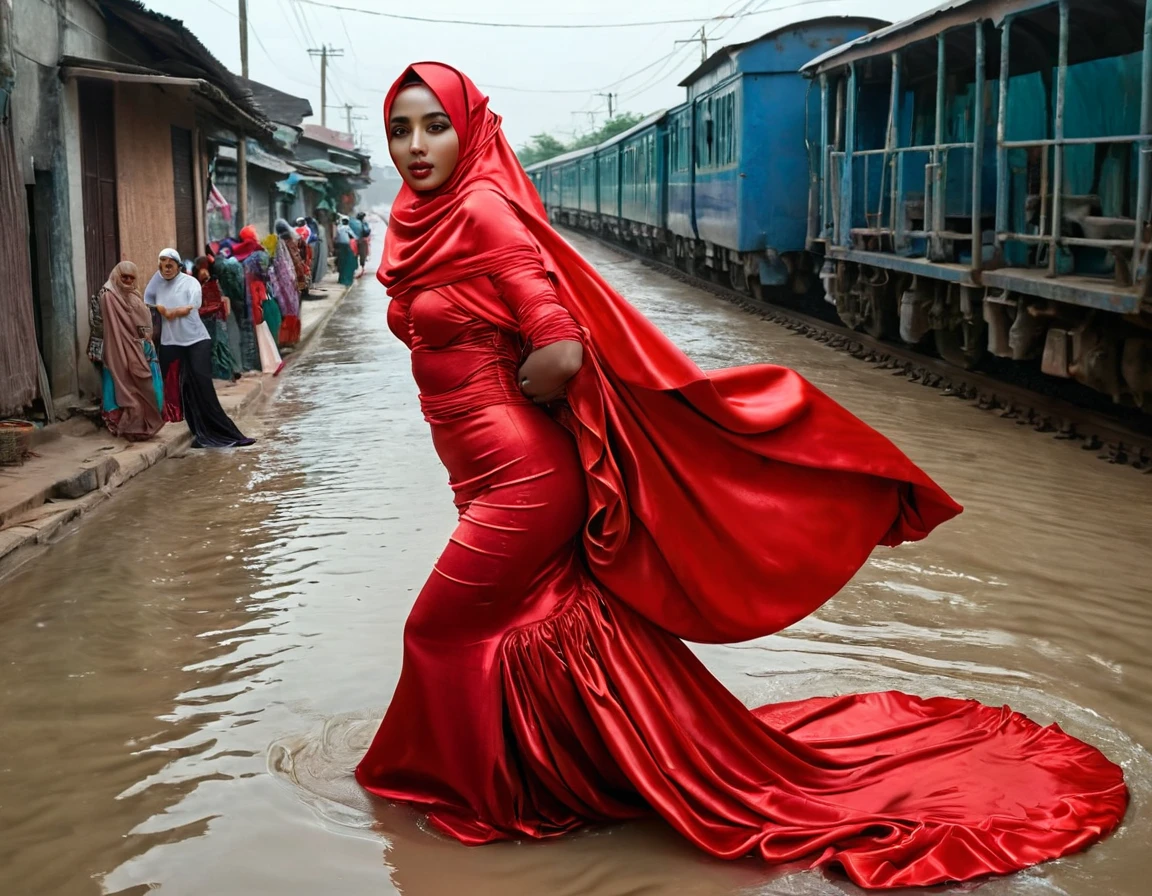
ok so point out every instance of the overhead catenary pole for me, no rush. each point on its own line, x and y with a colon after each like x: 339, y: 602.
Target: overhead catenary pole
x: 703, y: 39
x: 611, y: 99
x: 241, y: 138
x: 324, y: 52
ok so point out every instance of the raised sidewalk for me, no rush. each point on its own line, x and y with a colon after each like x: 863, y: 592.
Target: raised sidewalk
x: 78, y: 464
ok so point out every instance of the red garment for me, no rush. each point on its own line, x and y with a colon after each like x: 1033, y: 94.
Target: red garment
x: 258, y: 295
x: 543, y: 686
x: 173, y: 411
x: 212, y: 305
x: 249, y: 243
x: 289, y: 330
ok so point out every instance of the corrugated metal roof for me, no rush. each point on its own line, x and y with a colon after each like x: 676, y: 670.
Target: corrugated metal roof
x: 326, y: 167
x: 175, y: 50
x: 897, y: 28
x: 725, y: 53
x: 1113, y: 28
x: 277, y: 105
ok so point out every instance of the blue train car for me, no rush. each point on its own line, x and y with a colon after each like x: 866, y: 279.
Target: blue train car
x: 608, y: 183
x: 641, y: 177
x: 589, y: 192
x: 982, y: 177
x: 572, y: 192
x: 745, y: 125
x: 679, y: 160
x: 539, y: 178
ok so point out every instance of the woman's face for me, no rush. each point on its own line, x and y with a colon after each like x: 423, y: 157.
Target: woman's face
x: 203, y: 275
x: 169, y: 268
x: 421, y: 140
x: 127, y: 280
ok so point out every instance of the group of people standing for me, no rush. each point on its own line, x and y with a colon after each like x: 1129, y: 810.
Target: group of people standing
x: 143, y: 388
x: 225, y: 313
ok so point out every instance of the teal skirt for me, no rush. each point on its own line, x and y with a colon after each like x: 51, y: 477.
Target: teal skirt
x: 108, y: 387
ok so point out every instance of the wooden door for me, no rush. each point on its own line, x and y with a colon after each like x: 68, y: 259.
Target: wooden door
x: 98, y: 172
x: 185, y: 193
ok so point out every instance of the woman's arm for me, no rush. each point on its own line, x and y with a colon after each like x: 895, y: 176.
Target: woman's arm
x: 530, y: 294
x: 547, y: 370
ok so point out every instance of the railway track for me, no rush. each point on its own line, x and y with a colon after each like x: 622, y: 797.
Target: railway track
x: 1113, y: 440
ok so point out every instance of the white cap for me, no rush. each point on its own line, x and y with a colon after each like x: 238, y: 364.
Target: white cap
x: 171, y: 253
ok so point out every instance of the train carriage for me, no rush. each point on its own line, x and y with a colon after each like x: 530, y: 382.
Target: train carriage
x: 745, y: 126
x: 568, y: 187
x: 983, y: 180
x: 643, y: 176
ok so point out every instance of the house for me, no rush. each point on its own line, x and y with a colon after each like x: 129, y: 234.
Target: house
x: 115, y: 113
x: 334, y: 154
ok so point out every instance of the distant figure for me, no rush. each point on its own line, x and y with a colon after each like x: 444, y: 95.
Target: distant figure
x: 266, y: 315
x: 298, y: 251
x: 285, y: 281
x: 185, y: 340
x: 320, y: 250
x: 362, y: 230
x: 345, y: 258
x: 121, y: 346
x: 214, y: 313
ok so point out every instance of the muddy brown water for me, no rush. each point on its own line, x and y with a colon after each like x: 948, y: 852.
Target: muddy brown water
x: 189, y: 678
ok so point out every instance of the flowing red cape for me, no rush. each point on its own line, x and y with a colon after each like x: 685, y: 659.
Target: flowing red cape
x: 723, y: 505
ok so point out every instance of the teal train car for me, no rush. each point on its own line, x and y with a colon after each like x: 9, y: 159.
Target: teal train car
x: 981, y: 182
x: 976, y: 179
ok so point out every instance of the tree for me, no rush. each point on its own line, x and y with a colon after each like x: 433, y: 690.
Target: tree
x: 544, y: 146
x: 541, y: 147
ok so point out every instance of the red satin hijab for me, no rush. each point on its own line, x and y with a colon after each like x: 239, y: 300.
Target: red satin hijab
x: 722, y: 506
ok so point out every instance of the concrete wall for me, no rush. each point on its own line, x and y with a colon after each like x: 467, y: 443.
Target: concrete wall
x: 145, y: 195
x: 74, y: 263
x: 45, y: 118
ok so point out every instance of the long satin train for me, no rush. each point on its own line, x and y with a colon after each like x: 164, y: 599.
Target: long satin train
x: 532, y: 703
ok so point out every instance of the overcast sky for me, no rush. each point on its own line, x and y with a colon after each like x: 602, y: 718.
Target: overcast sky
x: 539, y: 80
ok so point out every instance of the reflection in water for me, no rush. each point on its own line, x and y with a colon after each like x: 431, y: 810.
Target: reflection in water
x: 190, y: 678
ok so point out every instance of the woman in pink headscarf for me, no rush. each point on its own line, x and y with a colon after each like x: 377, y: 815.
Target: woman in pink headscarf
x: 121, y: 345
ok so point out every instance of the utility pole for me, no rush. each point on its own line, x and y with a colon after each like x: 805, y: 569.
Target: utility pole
x: 348, y: 107
x: 241, y: 137
x: 244, y: 38
x: 324, y: 52
x: 611, y: 97
x: 703, y: 39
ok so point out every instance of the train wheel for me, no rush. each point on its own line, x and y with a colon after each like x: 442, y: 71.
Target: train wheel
x: 962, y: 345
x: 880, y: 317
x: 736, y: 278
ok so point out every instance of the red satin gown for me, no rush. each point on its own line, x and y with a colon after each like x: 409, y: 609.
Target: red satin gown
x: 531, y: 702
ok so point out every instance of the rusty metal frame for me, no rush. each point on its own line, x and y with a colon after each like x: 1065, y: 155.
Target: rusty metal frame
x: 837, y: 201
x: 841, y: 208
x: 1048, y: 234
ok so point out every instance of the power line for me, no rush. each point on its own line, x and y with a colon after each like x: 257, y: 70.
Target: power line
x: 548, y: 26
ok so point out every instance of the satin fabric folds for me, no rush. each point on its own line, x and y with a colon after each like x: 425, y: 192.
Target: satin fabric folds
x: 544, y: 683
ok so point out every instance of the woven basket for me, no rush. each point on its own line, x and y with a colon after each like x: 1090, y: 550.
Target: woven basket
x: 15, y: 436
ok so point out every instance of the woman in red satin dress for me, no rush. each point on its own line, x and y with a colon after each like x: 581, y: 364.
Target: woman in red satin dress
x: 614, y: 499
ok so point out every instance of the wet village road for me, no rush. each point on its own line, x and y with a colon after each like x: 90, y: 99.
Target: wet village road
x: 187, y: 680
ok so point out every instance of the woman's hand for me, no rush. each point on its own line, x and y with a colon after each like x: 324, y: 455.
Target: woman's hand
x: 547, y: 370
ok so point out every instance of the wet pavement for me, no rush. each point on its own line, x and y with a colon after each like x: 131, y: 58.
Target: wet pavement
x: 188, y: 679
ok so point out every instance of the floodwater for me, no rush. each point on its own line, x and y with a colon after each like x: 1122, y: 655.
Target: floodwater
x: 188, y: 679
